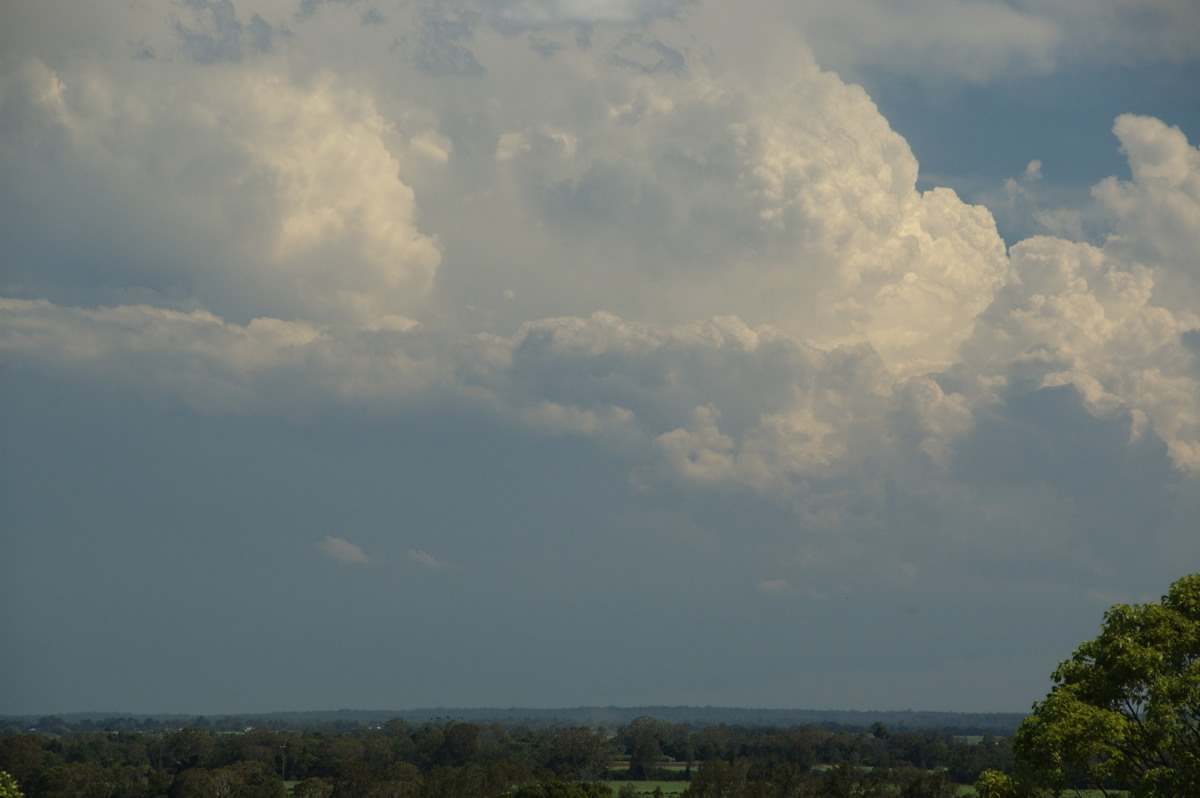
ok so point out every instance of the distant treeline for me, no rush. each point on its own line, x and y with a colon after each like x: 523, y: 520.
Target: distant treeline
x: 453, y: 758
x: 609, y: 718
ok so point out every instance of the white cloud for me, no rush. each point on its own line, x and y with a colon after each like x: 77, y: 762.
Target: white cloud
x: 426, y: 560
x: 343, y: 551
x: 708, y: 257
x: 1111, y: 319
x: 773, y: 192
x: 618, y: 283
x: 1158, y: 212
x: 215, y: 366
x: 240, y: 191
x: 776, y: 588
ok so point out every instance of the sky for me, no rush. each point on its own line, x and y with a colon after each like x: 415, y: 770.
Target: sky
x: 552, y: 353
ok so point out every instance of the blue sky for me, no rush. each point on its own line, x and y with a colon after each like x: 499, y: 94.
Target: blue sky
x: 384, y: 355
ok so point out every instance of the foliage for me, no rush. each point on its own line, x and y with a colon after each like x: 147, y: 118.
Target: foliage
x: 1124, y: 712
x: 994, y: 784
x: 584, y: 753
x: 8, y: 786
x: 313, y: 787
x: 453, y: 758
x: 643, y: 740
x: 562, y: 789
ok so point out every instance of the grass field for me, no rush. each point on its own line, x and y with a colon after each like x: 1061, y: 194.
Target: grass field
x: 965, y: 791
x: 677, y: 787
x: 648, y: 787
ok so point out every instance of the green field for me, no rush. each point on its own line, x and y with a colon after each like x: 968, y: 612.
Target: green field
x: 965, y: 791
x: 648, y: 787
x: 645, y: 788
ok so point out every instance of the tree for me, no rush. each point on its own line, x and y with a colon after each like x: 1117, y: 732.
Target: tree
x: 8, y: 786
x: 313, y: 787
x: 22, y: 757
x: 1124, y: 712
x: 641, y: 739
x: 188, y: 748
x: 586, y: 753
x: 994, y: 784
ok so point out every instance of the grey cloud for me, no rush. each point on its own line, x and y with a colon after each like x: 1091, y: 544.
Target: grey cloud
x: 663, y: 374
x: 515, y: 15
x: 308, y: 8
x: 1157, y: 31
x: 1191, y: 340
x: 1117, y: 480
x: 827, y: 437
x: 261, y: 35
x: 440, y: 50
x: 219, y: 38
x: 544, y: 47
x: 373, y: 16
x: 695, y: 310
x: 647, y: 57
x: 216, y: 34
x: 939, y: 43
x: 932, y: 41
x: 611, y: 196
x: 669, y: 404
x: 143, y: 51
x: 368, y: 13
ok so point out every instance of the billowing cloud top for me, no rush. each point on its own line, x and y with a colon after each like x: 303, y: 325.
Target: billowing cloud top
x: 656, y: 227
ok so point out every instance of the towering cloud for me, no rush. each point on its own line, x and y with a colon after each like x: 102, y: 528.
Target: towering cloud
x: 688, y: 184
x: 660, y: 232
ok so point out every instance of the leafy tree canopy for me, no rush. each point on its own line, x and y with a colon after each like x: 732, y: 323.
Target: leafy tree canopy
x: 8, y: 786
x: 1124, y: 711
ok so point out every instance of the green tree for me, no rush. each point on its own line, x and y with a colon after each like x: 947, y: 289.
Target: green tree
x: 584, y: 752
x: 641, y: 739
x: 1124, y: 711
x: 8, y: 786
x: 994, y: 784
x: 22, y: 757
x: 717, y: 778
x: 187, y: 749
x: 313, y: 787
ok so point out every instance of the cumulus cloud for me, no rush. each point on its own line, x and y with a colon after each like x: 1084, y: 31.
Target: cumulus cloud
x: 426, y: 560
x: 343, y: 551
x: 1157, y: 213
x: 776, y: 193
x: 776, y: 588
x: 252, y: 195
x: 943, y: 43
x: 1111, y: 320
x: 711, y: 261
